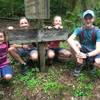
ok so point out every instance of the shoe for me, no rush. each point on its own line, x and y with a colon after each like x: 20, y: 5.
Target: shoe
x: 78, y: 70
x: 49, y: 62
x: 24, y: 68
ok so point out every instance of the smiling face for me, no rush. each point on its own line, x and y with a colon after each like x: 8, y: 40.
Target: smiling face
x: 23, y: 23
x: 57, y: 21
x: 88, y: 20
x: 2, y: 38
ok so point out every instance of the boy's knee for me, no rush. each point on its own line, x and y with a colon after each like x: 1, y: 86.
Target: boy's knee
x: 7, y: 77
x: 97, y: 62
x: 51, y: 54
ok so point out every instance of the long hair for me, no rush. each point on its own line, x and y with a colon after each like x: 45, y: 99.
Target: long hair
x: 5, y: 39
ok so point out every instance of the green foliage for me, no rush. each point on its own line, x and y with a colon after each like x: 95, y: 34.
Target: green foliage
x: 70, y: 64
x: 29, y: 80
x: 11, y: 8
x: 52, y: 87
x: 32, y: 83
x: 55, y: 83
x: 82, y: 87
x: 53, y: 74
x: 64, y: 44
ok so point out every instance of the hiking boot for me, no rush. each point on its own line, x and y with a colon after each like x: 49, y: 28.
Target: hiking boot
x: 77, y: 70
x: 24, y: 68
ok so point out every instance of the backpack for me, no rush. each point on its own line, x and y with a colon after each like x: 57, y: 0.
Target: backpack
x: 81, y: 37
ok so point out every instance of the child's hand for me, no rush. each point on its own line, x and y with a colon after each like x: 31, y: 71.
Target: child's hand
x: 81, y: 55
x: 49, y: 27
x: 25, y: 46
x: 14, y: 45
x: 10, y: 27
x: 58, y: 27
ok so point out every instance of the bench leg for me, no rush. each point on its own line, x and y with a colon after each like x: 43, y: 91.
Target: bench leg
x: 41, y: 51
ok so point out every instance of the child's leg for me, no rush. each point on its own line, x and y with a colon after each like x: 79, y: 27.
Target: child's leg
x: 64, y: 53
x: 7, y: 72
x: 50, y: 53
x: 34, y: 55
x: 14, y: 53
x: 97, y: 61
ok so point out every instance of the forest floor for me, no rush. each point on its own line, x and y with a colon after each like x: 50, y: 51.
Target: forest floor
x: 57, y: 83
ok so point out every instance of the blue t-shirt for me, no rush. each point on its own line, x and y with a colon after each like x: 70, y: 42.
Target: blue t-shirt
x: 87, y: 40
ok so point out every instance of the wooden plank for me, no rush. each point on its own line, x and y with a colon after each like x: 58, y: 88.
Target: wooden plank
x: 41, y: 51
x: 33, y: 35
x: 37, y: 9
x: 53, y: 34
x: 22, y: 36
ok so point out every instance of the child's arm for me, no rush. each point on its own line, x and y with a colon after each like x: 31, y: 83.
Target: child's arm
x: 17, y: 46
x: 20, y: 46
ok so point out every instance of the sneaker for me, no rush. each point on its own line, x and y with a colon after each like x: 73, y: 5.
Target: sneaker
x: 78, y: 70
x: 24, y: 68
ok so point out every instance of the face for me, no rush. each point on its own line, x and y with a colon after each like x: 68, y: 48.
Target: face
x: 57, y: 21
x: 1, y: 37
x: 24, y: 23
x: 88, y: 21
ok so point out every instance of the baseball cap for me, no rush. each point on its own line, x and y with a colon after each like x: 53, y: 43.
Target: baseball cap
x: 88, y: 13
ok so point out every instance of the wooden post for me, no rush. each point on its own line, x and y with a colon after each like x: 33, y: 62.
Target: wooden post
x: 41, y: 51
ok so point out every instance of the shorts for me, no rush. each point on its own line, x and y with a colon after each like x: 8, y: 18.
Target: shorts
x: 25, y: 52
x: 56, y: 50
x: 5, y: 71
x: 86, y: 49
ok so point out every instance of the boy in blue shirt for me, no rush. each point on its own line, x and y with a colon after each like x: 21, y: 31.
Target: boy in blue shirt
x: 88, y: 47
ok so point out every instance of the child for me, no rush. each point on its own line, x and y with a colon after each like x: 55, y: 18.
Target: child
x: 89, y: 46
x: 18, y: 50
x: 54, y: 49
x: 5, y: 68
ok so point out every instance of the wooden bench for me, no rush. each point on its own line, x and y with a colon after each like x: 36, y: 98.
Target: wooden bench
x: 40, y: 37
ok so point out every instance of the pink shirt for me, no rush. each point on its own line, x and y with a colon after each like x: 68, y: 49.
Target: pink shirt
x: 3, y: 54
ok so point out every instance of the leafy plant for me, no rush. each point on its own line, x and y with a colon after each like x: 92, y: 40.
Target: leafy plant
x: 82, y: 87
x: 32, y: 83
x: 52, y: 86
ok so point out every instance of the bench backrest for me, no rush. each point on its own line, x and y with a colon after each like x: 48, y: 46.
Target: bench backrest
x: 22, y: 36
x: 53, y: 34
x: 34, y: 35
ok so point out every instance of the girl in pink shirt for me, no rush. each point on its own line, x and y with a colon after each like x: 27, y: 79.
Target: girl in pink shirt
x: 5, y: 68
